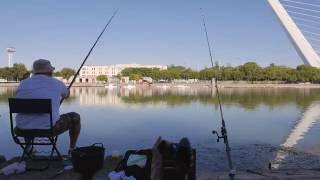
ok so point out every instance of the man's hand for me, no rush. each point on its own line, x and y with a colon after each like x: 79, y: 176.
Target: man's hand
x: 67, y: 95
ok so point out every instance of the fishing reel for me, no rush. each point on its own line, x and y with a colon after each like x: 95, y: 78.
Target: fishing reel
x: 222, y: 136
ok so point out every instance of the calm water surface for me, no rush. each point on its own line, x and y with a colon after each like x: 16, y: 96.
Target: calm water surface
x: 125, y: 119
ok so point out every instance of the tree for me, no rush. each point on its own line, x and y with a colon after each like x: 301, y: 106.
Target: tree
x: 307, y: 73
x: 16, y: 73
x: 209, y: 73
x: 252, y: 71
x: 135, y: 77
x: 186, y: 74
x: 102, y: 78
x: 276, y: 73
x: 118, y: 76
x: 227, y: 73
x: 237, y: 74
x: 5, y: 73
x: 66, y: 73
x: 57, y: 73
x: 19, y: 72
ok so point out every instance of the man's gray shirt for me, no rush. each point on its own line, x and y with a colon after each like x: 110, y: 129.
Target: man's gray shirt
x: 40, y: 87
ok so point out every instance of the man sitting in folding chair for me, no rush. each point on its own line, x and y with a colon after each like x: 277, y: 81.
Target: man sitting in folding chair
x: 43, y: 86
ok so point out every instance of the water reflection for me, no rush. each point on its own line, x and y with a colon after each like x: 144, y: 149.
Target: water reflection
x: 6, y: 92
x: 308, y: 119
x: 124, y: 118
x: 243, y: 97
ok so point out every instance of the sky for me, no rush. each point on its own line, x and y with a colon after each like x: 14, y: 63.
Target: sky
x: 144, y: 31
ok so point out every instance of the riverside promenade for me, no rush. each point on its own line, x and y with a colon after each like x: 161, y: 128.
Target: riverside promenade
x: 221, y: 84
x: 54, y: 172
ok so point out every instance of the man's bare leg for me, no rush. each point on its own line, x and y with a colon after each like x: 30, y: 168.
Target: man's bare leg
x: 74, y: 130
x: 74, y: 134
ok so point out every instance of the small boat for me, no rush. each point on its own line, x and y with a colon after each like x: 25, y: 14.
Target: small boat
x: 181, y: 86
x: 110, y: 86
x: 164, y: 86
x: 129, y: 86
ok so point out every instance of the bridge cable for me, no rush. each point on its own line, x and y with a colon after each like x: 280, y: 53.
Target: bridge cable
x: 303, y: 3
x: 303, y: 14
x: 308, y: 26
x: 305, y: 20
x: 301, y: 8
x: 310, y: 32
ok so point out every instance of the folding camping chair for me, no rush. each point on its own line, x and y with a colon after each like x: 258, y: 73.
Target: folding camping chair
x: 30, y: 137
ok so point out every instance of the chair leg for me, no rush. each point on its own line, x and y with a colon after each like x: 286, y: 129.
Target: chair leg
x: 24, y: 153
x: 52, y: 152
x: 29, y: 146
x: 54, y: 148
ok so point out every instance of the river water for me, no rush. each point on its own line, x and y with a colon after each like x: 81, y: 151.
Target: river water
x: 260, y: 122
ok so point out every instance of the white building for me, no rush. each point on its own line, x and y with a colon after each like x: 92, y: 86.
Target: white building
x: 112, y: 70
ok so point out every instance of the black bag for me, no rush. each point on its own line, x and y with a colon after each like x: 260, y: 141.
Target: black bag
x: 178, y: 161
x: 87, y: 160
x: 134, y: 170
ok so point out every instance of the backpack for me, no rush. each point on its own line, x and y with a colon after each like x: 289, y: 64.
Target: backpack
x: 178, y: 161
x: 139, y: 171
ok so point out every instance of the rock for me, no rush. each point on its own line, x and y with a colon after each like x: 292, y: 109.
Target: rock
x: 2, y: 159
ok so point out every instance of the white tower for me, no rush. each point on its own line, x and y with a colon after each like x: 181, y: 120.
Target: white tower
x: 301, y: 44
x: 10, y: 51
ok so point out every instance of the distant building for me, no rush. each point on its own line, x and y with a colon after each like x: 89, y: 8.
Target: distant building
x: 3, y: 80
x: 124, y: 80
x: 112, y: 70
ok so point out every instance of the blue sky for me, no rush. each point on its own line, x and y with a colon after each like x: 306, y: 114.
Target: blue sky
x: 144, y: 31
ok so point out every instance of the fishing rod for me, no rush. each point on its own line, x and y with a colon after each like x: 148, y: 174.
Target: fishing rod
x: 85, y: 59
x: 223, y: 130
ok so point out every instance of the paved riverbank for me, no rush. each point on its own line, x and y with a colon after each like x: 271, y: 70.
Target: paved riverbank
x: 74, y: 85
x: 222, y: 84
x: 109, y: 165
x: 251, y: 162
x: 54, y: 169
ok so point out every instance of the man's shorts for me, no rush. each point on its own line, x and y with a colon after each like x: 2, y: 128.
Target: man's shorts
x: 68, y: 121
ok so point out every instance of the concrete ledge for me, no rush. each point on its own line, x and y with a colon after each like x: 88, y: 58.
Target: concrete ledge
x: 110, y: 164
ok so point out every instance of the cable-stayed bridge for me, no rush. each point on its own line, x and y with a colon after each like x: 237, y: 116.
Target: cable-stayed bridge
x: 301, y: 21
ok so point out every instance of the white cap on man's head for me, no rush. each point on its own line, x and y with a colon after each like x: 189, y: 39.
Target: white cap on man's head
x: 42, y: 66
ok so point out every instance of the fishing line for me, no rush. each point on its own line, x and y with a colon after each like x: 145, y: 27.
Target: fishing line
x: 85, y: 59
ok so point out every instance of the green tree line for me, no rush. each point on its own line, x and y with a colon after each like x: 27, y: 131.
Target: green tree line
x: 65, y: 73
x: 249, y: 71
x: 17, y: 72
x: 173, y: 72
